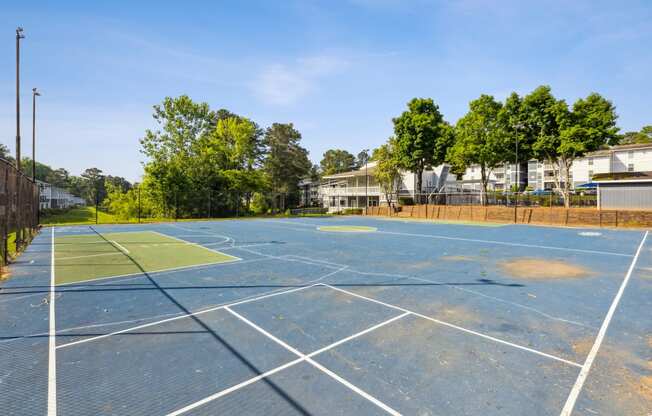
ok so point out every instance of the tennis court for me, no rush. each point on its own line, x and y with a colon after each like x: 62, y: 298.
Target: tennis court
x: 328, y: 316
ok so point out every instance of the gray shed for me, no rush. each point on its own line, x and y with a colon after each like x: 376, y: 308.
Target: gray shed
x: 624, y: 190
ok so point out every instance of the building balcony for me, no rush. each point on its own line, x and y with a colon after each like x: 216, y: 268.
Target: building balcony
x: 350, y: 191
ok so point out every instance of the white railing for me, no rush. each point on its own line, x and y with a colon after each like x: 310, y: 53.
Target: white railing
x: 350, y: 191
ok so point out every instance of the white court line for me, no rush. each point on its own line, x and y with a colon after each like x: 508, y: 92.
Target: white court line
x: 190, y: 243
x: 266, y: 374
x: 276, y: 292
x: 581, y: 378
x: 474, y: 240
x: 272, y: 293
x: 504, y: 243
x: 201, y: 312
x: 459, y: 328
x: 242, y: 246
x: 290, y: 222
x: 226, y: 237
x: 88, y: 255
x: 120, y: 247
x: 52, y: 343
x: 150, y: 272
x: 451, y: 285
x: 319, y: 366
x: 233, y: 388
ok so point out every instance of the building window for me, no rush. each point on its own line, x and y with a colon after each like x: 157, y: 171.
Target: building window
x: 630, y: 154
x: 590, y: 161
x: 630, y: 167
x: 590, y: 175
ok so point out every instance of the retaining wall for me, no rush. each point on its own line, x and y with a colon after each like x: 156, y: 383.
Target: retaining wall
x: 523, y: 215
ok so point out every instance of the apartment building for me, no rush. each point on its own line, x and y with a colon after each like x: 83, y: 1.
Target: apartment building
x: 538, y: 175
x: 501, y: 178
x: 351, y: 189
x: 54, y: 197
x: 625, y: 158
x: 309, y: 193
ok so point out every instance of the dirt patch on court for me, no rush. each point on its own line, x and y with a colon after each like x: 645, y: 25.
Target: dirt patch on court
x: 421, y: 265
x: 582, y: 347
x: 620, y: 381
x: 368, y: 291
x: 460, y: 258
x: 541, y: 269
x: 455, y: 314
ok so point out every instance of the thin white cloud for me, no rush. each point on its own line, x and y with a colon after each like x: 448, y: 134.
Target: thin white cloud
x: 280, y: 84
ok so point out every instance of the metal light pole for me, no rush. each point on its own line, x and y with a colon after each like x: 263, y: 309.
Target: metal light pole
x: 19, y: 36
x: 19, y: 230
x: 366, y: 180
x: 34, y: 95
x: 517, y: 127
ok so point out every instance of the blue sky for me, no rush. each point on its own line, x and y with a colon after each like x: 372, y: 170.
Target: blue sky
x: 338, y: 70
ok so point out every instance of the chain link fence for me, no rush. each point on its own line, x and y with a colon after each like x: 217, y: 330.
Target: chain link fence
x: 524, y: 199
x: 19, y: 204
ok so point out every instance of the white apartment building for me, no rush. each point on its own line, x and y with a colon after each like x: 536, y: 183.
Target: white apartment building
x: 309, y: 193
x: 350, y: 189
x: 55, y: 197
x: 625, y: 158
x: 540, y: 175
x: 500, y: 178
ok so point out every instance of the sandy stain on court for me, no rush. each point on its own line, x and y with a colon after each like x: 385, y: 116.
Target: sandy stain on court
x: 460, y: 258
x: 416, y: 331
x: 621, y: 380
x: 412, y: 337
x: 542, y: 269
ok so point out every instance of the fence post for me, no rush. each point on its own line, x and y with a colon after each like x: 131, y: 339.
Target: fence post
x: 176, y: 206
x: 97, y: 198
x: 139, y: 204
x: 210, y: 214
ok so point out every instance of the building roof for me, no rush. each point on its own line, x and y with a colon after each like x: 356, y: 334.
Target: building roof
x: 620, y: 148
x: 352, y: 173
x: 622, y: 177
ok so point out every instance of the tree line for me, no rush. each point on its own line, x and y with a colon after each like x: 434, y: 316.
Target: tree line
x: 91, y: 184
x: 205, y: 162
x: 537, y: 126
x: 202, y: 162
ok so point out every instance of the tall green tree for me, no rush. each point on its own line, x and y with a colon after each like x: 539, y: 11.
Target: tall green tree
x: 4, y: 152
x: 480, y: 139
x: 513, y: 119
x: 337, y: 161
x: 227, y: 157
x: 171, y: 150
x: 362, y: 159
x: 286, y: 162
x: 387, y: 170
x: 637, y: 137
x: 422, y: 137
x: 94, y: 189
x: 589, y: 125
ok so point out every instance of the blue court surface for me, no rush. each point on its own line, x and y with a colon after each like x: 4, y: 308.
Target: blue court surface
x: 393, y: 317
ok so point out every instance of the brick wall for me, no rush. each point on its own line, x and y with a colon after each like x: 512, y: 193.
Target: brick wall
x: 524, y: 215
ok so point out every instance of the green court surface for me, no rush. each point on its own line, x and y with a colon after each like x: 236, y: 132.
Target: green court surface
x: 347, y: 228
x: 94, y: 256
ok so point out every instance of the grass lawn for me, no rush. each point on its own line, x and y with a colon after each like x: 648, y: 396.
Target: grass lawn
x: 80, y: 215
x: 91, y: 256
x: 86, y: 215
